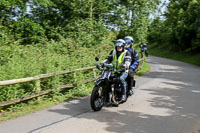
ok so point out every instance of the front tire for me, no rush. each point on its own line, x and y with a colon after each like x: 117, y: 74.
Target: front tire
x: 97, y: 98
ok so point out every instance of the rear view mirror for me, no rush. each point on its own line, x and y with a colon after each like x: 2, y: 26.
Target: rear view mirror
x: 97, y: 58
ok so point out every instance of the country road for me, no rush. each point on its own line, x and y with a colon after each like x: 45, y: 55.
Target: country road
x: 166, y: 100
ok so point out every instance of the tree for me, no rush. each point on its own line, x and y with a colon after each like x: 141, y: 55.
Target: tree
x: 182, y: 24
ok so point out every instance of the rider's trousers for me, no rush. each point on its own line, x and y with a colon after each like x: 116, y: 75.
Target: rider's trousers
x: 130, y: 79
x: 122, y: 79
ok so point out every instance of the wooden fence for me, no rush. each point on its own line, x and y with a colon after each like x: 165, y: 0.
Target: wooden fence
x: 37, y: 82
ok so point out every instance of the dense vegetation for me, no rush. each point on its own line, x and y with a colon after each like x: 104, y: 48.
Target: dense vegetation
x: 180, y: 28
x: 43, y: 36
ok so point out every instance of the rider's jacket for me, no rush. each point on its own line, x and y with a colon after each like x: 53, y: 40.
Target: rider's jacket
x: 134, y: 57
x: 118, y: 62
x: 119, y: 59
x: 143, y: 46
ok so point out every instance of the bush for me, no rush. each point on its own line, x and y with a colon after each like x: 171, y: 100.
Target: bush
x: 20, y: 61
x: 27, y: 31
x: 86, y: 32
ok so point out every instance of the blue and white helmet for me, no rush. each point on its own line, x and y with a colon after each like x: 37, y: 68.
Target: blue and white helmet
x: 128, y: 40
x: 120, y: 42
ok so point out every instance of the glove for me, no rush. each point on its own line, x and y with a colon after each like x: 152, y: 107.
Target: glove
x: 100, y: 66
x: 127, y: 71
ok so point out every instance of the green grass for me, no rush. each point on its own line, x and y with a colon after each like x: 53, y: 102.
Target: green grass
x: 33, y: 105
x: 184, y: 56
x: 145, y: 69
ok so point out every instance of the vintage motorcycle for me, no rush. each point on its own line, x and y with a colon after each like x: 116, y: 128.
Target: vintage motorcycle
x: 107, y: 89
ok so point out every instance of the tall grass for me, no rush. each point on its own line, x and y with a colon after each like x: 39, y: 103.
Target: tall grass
x: 18, y: 61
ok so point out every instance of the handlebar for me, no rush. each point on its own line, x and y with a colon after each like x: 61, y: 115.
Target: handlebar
x: 110, y: 66
x: 121, y: 70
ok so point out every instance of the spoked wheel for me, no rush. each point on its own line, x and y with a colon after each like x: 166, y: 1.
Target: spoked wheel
x: 97, y: 99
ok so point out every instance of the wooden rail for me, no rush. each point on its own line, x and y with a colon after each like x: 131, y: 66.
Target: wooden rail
x: 37, y: 83
x: 22, y: 80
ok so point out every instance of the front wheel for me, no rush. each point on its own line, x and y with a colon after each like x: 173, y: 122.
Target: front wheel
x: 97, y: 98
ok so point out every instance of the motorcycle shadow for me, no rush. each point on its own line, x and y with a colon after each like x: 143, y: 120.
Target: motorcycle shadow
x: 113, y: 104
x: 109, y: 105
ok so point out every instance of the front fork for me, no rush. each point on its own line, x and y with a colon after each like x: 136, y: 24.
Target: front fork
x: 110, y: 94
x: 113, y: 95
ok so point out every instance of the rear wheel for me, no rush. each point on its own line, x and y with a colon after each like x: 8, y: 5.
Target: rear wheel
x: 97, y: 98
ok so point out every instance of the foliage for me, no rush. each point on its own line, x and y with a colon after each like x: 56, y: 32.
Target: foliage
x: 135, y: 20
x: 86, y: 32
x: 32, y: 20
x: 18, y: 61
x: 180, y: 30
x: 6, y: 36
x: 31, y: 33
x: 44, y: 36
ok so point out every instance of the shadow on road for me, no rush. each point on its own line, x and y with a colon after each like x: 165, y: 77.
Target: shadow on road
x: 173, y: 102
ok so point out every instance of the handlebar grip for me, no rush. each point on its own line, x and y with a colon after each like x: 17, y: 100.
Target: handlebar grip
x: 108, y: 65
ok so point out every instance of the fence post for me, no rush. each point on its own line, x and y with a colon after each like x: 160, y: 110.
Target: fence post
x: 142, y: 55
x: 95, y: 74
x: 74, y: 77
x: 38, y: 87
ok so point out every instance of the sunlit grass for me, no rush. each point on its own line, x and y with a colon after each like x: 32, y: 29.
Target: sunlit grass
x: 146, y: 68
x: 184, y: 56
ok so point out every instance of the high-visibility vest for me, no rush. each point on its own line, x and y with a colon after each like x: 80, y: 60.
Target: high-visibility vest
x: 118, y: 63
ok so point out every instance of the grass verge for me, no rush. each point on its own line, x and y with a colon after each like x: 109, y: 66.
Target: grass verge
x: 145, y: 69
x: 184, y: 56
x: 35, y: 105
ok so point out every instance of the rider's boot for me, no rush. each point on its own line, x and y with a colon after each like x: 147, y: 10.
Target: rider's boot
x: 123, y: 97
x: 130, y: 92
x: 130, y: 88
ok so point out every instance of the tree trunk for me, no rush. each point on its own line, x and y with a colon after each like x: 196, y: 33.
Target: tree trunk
x: 91, y: 7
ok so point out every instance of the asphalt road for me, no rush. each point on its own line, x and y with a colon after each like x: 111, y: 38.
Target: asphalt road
x: 166, y: 100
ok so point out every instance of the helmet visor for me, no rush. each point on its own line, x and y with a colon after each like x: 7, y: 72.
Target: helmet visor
x: 128, y: 41
x: 120, y: 44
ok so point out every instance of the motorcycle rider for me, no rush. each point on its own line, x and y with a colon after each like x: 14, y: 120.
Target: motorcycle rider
x: 144, y: 48
x: 121, y: 60
x: 134, y: 63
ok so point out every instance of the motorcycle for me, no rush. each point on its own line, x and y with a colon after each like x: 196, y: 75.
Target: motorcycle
x: 107, y: 89
x: 144, y: 49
